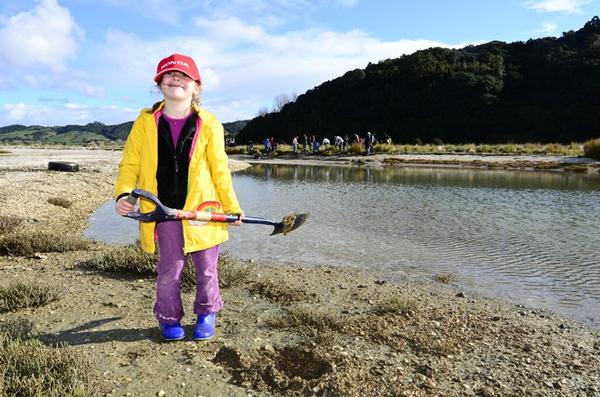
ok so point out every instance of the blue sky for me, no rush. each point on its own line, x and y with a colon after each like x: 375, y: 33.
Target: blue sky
x: 79, y: 61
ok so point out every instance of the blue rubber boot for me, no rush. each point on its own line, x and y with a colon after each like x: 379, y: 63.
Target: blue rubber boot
x: 172, y: 332
x: 205, y: 326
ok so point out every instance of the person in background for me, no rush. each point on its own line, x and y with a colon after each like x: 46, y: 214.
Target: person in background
x: 166, y: 143
x: 305, y: 143
x: 295, y: 145
x: 267, y: 145
x: 338, y: 142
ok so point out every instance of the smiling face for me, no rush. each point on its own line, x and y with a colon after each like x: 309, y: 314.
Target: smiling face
x: 177, y: 86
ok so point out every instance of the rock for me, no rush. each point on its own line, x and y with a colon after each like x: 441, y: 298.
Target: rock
x: 460, y: 295
x: 161, y: 393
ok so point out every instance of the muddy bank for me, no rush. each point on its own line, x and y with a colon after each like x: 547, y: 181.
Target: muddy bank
x: 290, y: 330
x: 509, y: 162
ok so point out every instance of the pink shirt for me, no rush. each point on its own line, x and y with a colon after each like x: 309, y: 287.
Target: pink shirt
x: 175, y: 125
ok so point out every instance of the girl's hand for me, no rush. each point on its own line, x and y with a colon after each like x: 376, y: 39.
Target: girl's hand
x: 239, y: 221
x: 123, y: 207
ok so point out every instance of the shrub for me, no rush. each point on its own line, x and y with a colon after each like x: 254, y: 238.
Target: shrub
x: 22, y: 295
x: 60, y: 202
x: 27, y: 244
x: 131, y: 259
x: 231, y: 274
x: 356, y: 148
x: 445, y: 278
x: 395, y: 305
x: 236, y: 150
x: 29, y: 368
x: 8, y: 223
x: 592, y: 149
x: 384, y: 148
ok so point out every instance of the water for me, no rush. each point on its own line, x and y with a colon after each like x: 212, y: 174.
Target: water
x: 528, y: 237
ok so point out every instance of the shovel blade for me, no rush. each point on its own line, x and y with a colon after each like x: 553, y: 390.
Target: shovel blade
x: 286, y: 227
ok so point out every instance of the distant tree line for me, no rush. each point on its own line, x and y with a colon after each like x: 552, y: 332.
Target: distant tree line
x: 542, y: 90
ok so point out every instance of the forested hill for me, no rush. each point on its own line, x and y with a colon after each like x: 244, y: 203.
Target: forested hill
x: 542, y: 90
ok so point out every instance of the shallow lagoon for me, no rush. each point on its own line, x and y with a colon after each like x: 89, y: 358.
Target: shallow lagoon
x: 528, y: 237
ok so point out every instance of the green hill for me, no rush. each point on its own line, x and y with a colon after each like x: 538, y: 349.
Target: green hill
x: 542, y: 90
x: 92, y: 133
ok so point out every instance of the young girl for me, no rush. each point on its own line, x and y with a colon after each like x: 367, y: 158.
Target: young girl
x: 176, y: 151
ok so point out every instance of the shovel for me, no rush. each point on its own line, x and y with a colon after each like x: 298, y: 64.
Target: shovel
x: 162, y: 213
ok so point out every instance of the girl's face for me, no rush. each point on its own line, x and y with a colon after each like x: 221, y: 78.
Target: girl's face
x: 177, y: 86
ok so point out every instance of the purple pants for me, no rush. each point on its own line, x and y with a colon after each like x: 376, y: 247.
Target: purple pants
x: 168, y: 308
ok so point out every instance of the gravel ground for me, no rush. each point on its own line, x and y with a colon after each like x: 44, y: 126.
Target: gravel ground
x: 284, y: 331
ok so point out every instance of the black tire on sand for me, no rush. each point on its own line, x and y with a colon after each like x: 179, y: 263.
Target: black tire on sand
x: 63, y: 166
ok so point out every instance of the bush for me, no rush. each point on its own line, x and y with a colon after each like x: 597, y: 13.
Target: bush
x: 29, y: 368
x: 27, y: 244
x: 131, y: 259
x: 22, y: 295
x: 60, y: 202
x: 356, y: 148
x: 396, y: 305
x: 592, y: 149
x: 8, y: 223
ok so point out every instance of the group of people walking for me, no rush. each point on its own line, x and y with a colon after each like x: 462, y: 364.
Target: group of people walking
x: 312, y: 143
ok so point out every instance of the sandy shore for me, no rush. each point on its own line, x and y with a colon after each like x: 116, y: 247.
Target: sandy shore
x: 284, y: 331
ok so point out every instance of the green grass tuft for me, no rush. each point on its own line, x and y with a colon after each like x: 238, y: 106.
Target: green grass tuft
x: 131, y: 259
x: 60, y: 202
x: 8, y: 223
x: 395, y: 305
x: 592, y: 149
x: 27, y: 244
x: 231, y: 274
x: 30, y: 368
x: 444, y: 278
x: 21, y: 295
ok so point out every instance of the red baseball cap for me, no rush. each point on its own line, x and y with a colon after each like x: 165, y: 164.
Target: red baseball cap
x: 180, y: 63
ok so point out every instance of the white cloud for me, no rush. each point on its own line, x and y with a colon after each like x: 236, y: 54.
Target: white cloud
x: 348, y: 3
x: 16, y: 111
x: 45, y: 36
x: 547, y: 29
x: 69, y: 113
x: 569, y: 6
x: 75, y: 106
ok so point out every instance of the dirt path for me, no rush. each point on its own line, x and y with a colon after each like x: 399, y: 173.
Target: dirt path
x: 290, y: 331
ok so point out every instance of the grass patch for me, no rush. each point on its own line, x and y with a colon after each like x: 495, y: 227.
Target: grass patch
x: 128, y: 259
x: 21, y: 295
x: 27, y: 244
x: 30, y: 368
x: 310, y: 318
x: 396, y: 305
x: 60, y: 202
x: 231, y: 274
x: 356, y: 149
x: 278, y: 292
x: 444, y: 278
x: 131, y: 259
x: 592, y: 149
x: 8, y: 223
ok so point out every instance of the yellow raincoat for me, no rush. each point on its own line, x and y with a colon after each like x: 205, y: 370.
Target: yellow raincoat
x: 209, y: 178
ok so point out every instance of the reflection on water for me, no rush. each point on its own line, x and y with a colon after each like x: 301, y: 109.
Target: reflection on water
x: 530, y: 237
